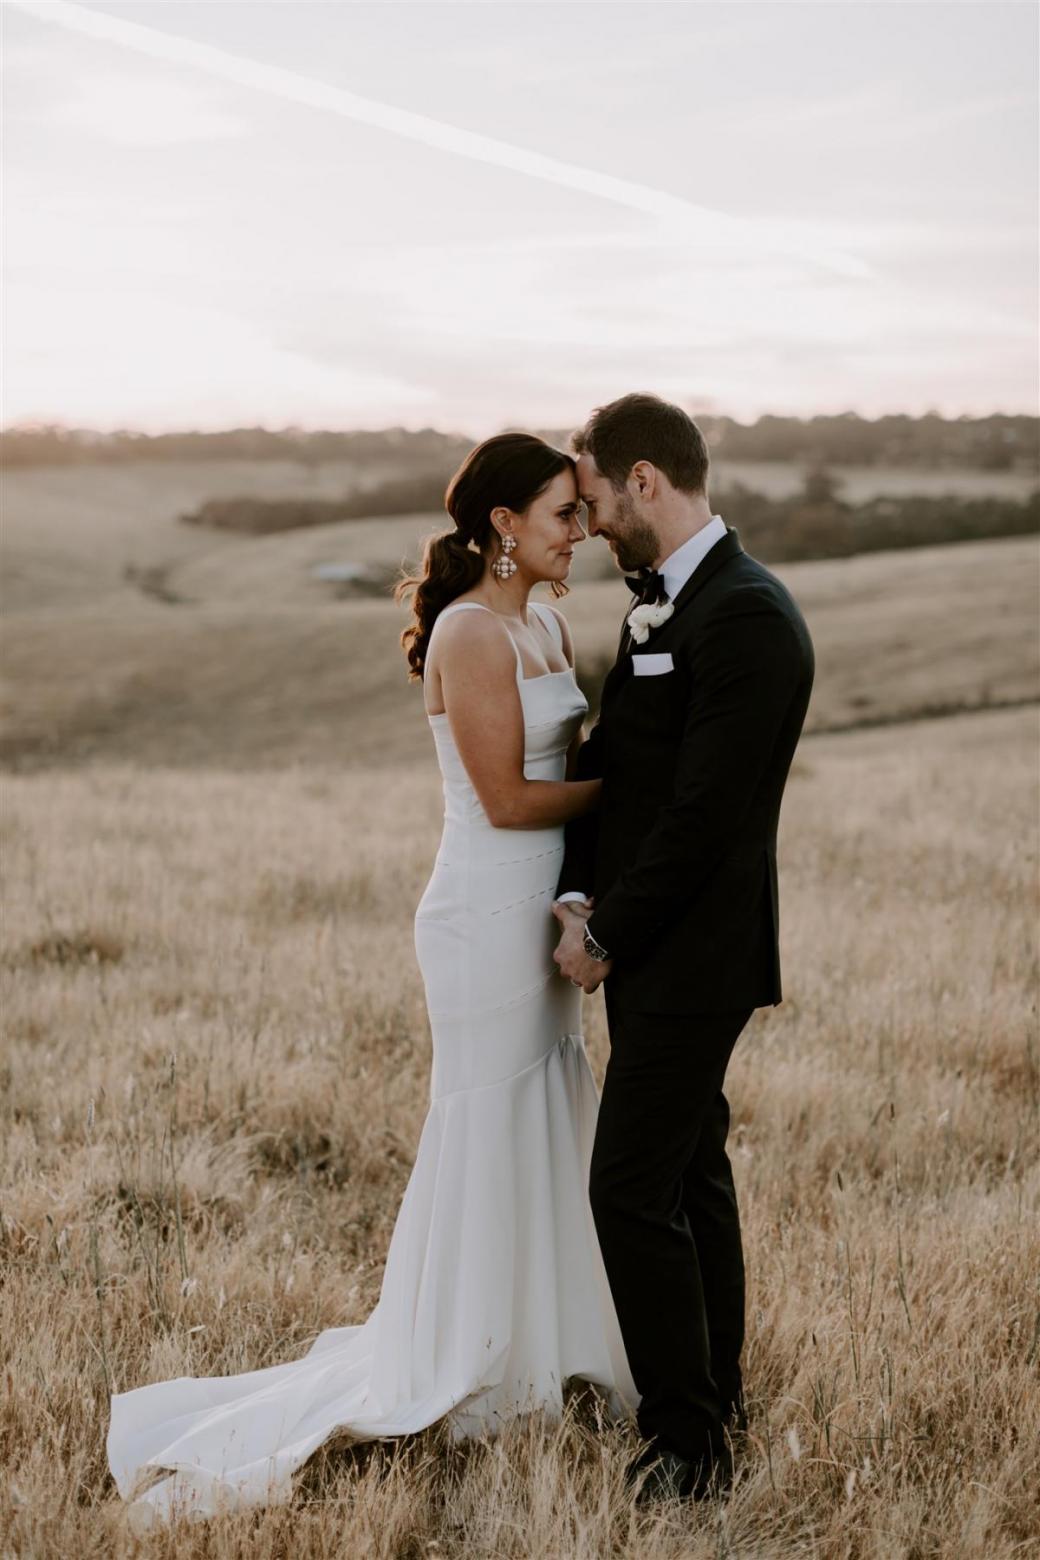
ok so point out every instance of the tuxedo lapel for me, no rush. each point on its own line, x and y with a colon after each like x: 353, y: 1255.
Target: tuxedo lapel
x: 725, y: 548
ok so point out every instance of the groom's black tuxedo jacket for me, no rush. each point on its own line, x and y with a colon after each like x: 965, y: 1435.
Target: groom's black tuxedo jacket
x: 681, y: 854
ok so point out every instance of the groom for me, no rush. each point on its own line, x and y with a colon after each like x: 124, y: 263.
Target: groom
x: 698, y: 724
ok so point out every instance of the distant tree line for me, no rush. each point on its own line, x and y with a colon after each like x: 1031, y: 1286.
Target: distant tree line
x: 53, y: 445
x: 817, y: 523
x: 813, y: 523
x: 261, y: 516
x: 995, y: 443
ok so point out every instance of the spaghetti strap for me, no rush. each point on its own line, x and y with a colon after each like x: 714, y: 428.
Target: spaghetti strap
x: 551, y: 621
x: 460, y: 606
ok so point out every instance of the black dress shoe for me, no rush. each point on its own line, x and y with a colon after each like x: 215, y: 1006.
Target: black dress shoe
x: 664, y: 1475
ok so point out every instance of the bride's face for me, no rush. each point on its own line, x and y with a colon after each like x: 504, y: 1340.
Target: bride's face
x: 549, y: 531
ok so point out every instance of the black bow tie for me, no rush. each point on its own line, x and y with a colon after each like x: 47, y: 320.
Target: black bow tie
x: 648, y: 585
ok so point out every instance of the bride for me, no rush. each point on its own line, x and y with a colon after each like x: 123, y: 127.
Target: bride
x: 494, y: 1291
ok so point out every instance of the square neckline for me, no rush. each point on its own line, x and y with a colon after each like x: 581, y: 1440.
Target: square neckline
x: 520, y: 679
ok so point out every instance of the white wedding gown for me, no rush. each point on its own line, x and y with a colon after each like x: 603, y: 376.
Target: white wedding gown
x: 494, y: 1291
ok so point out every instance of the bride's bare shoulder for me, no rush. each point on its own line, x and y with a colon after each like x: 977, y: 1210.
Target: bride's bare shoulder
x: 465, y: 634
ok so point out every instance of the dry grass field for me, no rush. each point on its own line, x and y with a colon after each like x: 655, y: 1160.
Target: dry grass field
x: 218, y: 815
x: 216, y: 1071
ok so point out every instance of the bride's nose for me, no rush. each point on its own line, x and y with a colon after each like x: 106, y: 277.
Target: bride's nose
x: 578, y: 531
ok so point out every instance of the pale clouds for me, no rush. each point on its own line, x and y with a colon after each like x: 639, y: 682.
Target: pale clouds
x: 179, y: 244
x: 122, y: 360
x: 49, y: 89
x: 145, y: 114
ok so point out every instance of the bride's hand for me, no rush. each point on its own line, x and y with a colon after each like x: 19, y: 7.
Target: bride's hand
x: 570, y: 954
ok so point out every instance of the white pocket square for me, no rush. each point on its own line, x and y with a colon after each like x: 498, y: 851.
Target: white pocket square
x: 652, y: 665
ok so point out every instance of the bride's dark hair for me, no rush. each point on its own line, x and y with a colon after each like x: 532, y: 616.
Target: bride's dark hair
x: 509, y: 471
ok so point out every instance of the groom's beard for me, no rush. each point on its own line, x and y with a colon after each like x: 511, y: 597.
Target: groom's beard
x: 636, y: 544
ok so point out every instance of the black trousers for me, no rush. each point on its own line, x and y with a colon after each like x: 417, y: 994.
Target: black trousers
x: 666, y: 1215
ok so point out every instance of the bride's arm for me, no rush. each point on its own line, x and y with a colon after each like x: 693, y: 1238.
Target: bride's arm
x: 477, y: 666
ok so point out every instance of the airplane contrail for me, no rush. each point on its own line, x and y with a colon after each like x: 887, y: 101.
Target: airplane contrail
x: 677, y: 214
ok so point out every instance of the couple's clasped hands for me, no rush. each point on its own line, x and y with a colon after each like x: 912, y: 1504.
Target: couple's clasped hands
x: 570, y: 953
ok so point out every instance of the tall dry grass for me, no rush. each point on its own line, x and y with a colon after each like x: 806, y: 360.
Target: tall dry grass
x: 215, y: 1074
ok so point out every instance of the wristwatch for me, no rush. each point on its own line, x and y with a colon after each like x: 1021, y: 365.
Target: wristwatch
x: 592, y: 947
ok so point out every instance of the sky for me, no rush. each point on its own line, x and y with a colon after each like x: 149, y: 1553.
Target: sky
x: 220, y: 213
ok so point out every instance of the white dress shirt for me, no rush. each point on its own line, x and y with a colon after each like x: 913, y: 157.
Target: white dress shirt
x: 676, y: 570
x: 680, y: 564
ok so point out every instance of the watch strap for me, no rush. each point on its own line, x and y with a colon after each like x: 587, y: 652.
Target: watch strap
x: 592, y: 947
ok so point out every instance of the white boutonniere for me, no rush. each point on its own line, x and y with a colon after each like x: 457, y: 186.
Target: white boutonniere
x: 650, y: 615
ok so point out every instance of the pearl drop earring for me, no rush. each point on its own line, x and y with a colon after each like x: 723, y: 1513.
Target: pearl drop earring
x: 503, y: 565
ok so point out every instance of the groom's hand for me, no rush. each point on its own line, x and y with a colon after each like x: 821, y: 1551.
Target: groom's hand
x: 570, y: 953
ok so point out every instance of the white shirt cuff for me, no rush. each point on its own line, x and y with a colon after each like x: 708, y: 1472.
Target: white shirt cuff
x: 572, y: 893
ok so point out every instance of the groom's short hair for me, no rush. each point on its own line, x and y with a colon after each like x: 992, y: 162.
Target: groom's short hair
x: 643, y: 427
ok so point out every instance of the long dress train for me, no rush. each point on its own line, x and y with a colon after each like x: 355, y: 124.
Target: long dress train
x: 494, y: 1291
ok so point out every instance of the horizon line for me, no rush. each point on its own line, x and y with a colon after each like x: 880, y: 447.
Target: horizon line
x: 40, y: 425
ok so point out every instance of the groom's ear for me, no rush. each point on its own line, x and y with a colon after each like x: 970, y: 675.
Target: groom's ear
x: 644, y: 478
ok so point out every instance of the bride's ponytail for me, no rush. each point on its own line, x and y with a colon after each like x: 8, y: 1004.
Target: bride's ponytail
x: 509, y: 471
x: 449, y: 568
